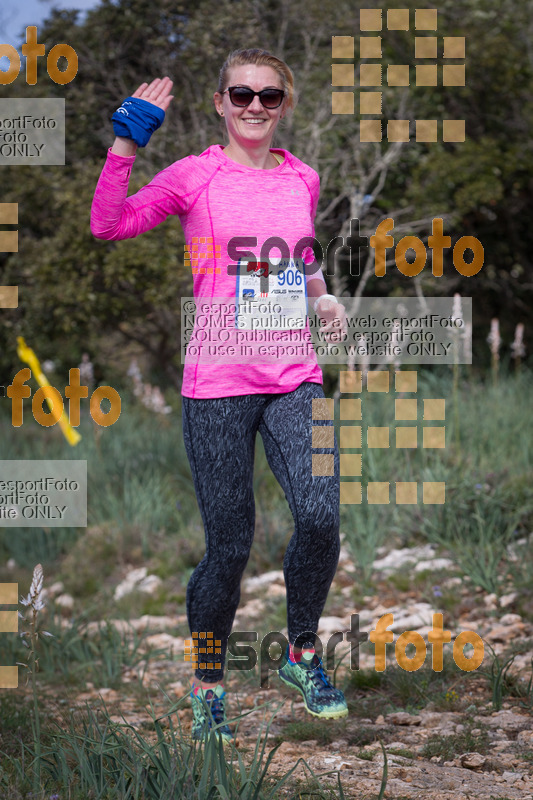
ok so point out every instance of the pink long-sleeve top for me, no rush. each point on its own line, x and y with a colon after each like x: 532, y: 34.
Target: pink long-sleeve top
x: 217, y: 199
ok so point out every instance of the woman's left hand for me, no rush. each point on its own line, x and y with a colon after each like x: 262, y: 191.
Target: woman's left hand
x: 333, y: 319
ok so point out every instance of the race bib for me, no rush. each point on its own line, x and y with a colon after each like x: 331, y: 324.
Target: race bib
x: 271, y: 296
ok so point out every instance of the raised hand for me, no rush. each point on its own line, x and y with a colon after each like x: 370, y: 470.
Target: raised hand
x: 157, y: 92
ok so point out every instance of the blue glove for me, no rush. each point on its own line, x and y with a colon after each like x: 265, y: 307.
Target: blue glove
x: 137, y: 119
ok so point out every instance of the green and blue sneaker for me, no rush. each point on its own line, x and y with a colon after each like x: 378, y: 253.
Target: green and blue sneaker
x: 208, y: 711
x: 321, y: 698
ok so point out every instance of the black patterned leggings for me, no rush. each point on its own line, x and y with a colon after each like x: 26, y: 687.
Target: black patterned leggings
x: 219, y: 435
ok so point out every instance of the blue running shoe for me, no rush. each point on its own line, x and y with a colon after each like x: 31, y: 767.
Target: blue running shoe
x: 208, y: 710
x: 321, y: 698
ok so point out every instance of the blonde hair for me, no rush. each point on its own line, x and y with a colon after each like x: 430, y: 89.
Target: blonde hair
x: 238, y: 58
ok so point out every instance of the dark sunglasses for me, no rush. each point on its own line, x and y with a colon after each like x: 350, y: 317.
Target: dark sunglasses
x: 242, y: 96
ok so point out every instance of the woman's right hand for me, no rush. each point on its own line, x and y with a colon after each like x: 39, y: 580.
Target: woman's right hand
x: 156, y: 92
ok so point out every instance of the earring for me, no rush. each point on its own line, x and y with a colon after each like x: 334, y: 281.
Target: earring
x: 221, y: 113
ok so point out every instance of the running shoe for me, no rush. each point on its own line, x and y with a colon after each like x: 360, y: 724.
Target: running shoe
x: 208, y: 710
x: 321, y: 698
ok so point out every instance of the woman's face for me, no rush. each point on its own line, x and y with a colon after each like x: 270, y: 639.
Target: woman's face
x: 253, y: 124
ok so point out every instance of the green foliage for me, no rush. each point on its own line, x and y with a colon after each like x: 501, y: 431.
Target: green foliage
x: 400, y: 751
x: 447, y: 747
x: 364, y: 680
x: 362, y: 735
x: 366, y: 755
x: 489, y: 499
x: 477, y: 532
x: 311, y: 730
x: 15, y: 717
x: 497, y: 677
x: 141, y: 504
x: 74, y: 656
x: 315, y: 730
x: 526, y: 692
x: 366, y: 530
x: 106, y: 760
x: 415, y: 690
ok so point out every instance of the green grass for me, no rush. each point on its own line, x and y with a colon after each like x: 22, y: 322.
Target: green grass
x: 489, y: 491
x: 311, y: 730
x: 14, y: 722
x: 93, y: 757
x: 72, y: 657
x: 447, y: 747
x: 138, y: 478
x: 364, y: 680
x: 324, y: 734
x: 399, y: 751
x: 395, y: 688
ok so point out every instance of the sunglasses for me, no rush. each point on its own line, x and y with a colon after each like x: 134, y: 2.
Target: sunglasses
x: 242, y: 96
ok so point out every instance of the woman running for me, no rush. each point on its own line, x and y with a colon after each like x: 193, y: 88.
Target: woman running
x: 243, y: 189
